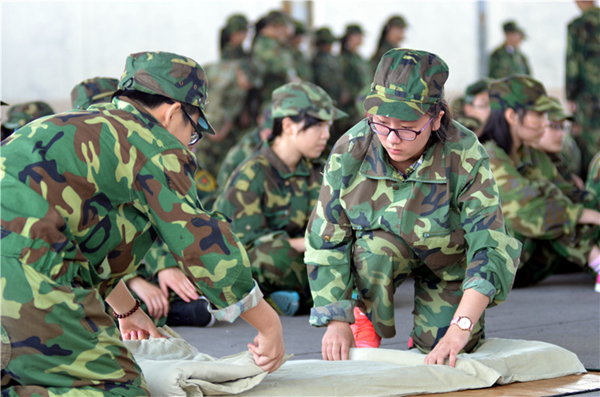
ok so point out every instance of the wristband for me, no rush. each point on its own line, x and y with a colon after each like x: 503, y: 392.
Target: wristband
x: 129, y: 313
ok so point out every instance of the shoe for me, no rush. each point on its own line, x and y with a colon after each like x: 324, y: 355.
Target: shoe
x: 286, y: 303
x: 194, y: 313
x: 597, y: 287
x: 411, y: 343
x: 363, y: 331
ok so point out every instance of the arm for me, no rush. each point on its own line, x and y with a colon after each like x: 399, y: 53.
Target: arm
x: 138, y: 325
x: 472, y: 305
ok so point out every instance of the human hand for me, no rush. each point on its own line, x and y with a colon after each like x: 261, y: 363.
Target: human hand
x: 156, y: 302
x: 268, y: 350
x: 449, y: 346
x: 298, y: 244
x: 138, y: 326
x: 174, y: 279
x: 337, y: 341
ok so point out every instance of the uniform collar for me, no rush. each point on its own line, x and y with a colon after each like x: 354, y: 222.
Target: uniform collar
x: 302, y: 169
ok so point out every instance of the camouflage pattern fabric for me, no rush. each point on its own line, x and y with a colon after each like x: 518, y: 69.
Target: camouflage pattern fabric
x: 293, y: 99
x: 407, y: 82
x: 19, y: 115
x: 519, y: 92
x: 593, y: 176
x: 249, y: 144
x: 275, y: 64
x: 539, y: 214
x: 75, y: 224
x: 357, y: 74
x: 90, y: 91
x: 583, y: 79
x: 268, y: 204
x: 469, y: 122
x: 507, y: 61
x: 328, y: 75
x: 371, y: 228
x: 302, y: 65
x: 376, y: 58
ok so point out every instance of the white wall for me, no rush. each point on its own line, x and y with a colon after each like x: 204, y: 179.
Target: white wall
x: 49, y: 46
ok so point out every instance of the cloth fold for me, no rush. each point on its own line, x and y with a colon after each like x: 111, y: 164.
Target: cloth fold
x: 172, y: 367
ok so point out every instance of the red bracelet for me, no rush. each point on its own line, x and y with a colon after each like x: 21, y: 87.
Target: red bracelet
x: 129, y: 313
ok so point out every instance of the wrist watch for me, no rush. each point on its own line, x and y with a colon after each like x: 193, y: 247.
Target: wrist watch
x: 463, y: 323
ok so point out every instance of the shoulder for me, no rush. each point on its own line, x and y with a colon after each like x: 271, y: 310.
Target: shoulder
x: 351, y: 149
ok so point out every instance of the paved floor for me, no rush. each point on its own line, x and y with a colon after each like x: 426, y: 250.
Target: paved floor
x: 563, y: 310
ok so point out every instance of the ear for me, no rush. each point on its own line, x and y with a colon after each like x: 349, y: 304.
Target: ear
x: 512, y: 118
x: 437, y: 122
x: 288, y: 126
x: 168, y: 112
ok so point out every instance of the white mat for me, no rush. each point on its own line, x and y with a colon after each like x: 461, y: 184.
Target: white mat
x: 174, y: 368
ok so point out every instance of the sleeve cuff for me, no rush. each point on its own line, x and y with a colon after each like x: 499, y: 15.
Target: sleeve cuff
x: 337, y: 311
x: 481, y: 285
x: 231, y: 312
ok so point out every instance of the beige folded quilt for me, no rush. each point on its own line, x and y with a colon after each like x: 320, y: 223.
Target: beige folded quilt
x: 174, y: 368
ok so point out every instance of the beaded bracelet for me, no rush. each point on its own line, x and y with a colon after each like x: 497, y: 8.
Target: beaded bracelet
x: 129, y: 313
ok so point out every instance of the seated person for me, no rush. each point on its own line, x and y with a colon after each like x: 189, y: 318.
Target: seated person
x: 552, y: 227
x: 270, y: 196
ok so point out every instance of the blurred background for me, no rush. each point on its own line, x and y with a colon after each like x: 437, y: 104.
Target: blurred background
x: 49, y: 46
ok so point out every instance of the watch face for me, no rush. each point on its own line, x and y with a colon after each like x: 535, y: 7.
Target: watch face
x: 464, y: 323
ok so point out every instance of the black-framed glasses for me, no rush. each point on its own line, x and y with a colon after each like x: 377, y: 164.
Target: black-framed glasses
x: 559, y: 125
x: 402, y: 133
x: 197, y: 134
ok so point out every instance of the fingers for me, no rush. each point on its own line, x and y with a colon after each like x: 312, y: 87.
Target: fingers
x: 265, y: 363
x: 335, y: 350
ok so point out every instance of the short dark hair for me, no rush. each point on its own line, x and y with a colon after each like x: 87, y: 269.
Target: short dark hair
x: 152, y: 101
x: 309, y: 121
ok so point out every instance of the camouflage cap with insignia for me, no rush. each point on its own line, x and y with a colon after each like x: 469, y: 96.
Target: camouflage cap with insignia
x: 90, y: 91
x: 557, y: 112
x: 236, y: 23
x: 406, y: 84
x: 170, y: 75
x: 19, y: 115
x: 476, y: 88
x: 324, y: 36
x: 517, y: 92
x: 295, y: 98
x: 353, y: 29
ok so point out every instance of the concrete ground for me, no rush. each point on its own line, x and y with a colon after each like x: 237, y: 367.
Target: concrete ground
x: 563, y: 310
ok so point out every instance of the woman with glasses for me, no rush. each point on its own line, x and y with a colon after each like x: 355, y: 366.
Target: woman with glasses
x: 408, y: 191
x: 271, y: 195
x: 553, y: 226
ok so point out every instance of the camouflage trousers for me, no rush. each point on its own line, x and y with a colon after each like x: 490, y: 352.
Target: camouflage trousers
x: 435, y: 301
x: 277, y: 267
x: 540, y: 258
x: 57, y: 340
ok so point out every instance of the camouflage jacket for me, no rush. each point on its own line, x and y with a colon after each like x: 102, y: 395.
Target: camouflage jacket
x: 533, y: 206
x: 90, y: 191
x: 503, y: 63
x: 583, y: 58
x: 302, y: 65
x: 267, y: 202
x: 233, y: 52
x: 385, y: 47
x: 241, y: 151
x: 446, y: 214
x: 328, y: 75
x: 357, y: 75
x: 593, y: 178
x: 275, y: 64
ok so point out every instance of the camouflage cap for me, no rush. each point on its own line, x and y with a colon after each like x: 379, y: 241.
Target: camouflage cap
x: 511, y: 26
x: 278, y: 18
x: 324, y: 36
x: 406, y: 84
x: 476, y: 88
x: 236, y: 23
x: 295, y: 98
x: 96, y: 90
x: 19, y: 115
x: 171, y: 75
x: 519, y: 92
x: 353, y: 29
x: 557, y: 112
x: 397, y: 21
x: 299, y: 28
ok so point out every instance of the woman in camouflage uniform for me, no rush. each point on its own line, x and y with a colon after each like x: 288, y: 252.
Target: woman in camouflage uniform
x: 553, y: 225
x: 271, y: 195
x: 391, y: 36
x: 408, y: 191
